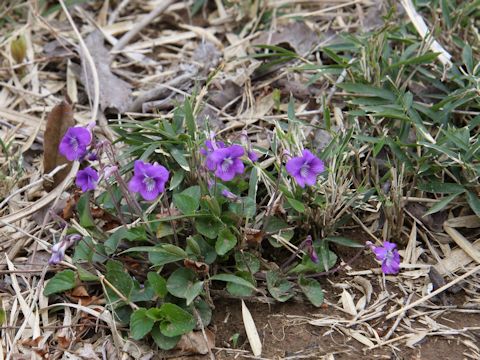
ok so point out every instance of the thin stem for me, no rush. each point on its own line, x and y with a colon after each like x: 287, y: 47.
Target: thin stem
x: 331, y: 271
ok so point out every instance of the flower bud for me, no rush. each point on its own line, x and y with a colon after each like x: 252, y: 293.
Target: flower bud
x: 18, y: 48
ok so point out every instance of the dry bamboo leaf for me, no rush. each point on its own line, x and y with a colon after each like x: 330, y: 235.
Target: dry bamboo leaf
x: 410, y: 251
x: 359, y: 337
x: 361, y: 303
x: 457, y: 259
x: 251, y: 330
x: 348, y: 304
x: 470, y: 221
x: 463, y: 243
x: 71, y: 83
x: 58, y: 122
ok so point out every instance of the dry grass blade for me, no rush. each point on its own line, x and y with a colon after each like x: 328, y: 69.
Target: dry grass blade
x: 91, y: 63
x: 44, y: 201
x: 144, y: 22
x: 463, y: 243
x: 422, y: 29
x: 435, y: 293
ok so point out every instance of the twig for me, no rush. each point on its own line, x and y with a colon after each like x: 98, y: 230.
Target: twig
x: 125, y: 39
x: 103, y: 280
x: 434, y: 293
x: 116, y: 12
x: 160, y: 91
x: 334, y: 270
x: 399, y: 318
x: 91, y: 63
x: 200, y: 322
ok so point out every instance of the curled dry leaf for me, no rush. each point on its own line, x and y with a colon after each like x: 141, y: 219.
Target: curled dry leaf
x: 416, y: 338
x: 194, y: 343
x: 58, y: 122
x: 80, y: 295
x: 253, y: 237
x: 70, y: 205
x: 366, y: 287
x: 37, y: 345
x: 348, y: 304
x: 199, y: 267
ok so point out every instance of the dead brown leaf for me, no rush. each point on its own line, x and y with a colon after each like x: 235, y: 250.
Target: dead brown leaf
x: 253, y: 237
x: 199, y: 267
x: 58, y: 122
x: 34, y: 344
x: 115, y: 94
x: 297, y: 35
x: 194, y: 342
x: 70, y: 206
x: 80, y: 294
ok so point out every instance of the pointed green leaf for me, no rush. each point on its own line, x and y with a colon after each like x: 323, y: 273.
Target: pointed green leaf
x: 158, y: 284
x: 226, y: 241
x: 344, y: 241
x: 179, y: 157
x: 62, y: 281
x: 162, y: 341
x: 176, y: 320
x: 441, y: 204
x: 312, y: 290
x: 140, y: 324
x: 183, y: 284
x: 233, y: 279
x: 297, y: 205
x: 474, y: 202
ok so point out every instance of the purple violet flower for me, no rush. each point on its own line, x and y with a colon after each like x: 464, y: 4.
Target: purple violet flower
x: 87, y: 179
x: 75, y: 142
x: 311, y: 250
x: 388, y: 255
x: 58, y: 250
x: 226, y: 162
x: 149, y: 179
x: 210, y: 147
x: 305, y: 168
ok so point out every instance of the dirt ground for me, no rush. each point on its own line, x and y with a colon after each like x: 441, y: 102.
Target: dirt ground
x: 285, y: 336
x: 286, y: 333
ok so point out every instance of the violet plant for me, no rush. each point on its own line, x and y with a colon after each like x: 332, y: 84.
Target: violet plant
x: 209, y: 203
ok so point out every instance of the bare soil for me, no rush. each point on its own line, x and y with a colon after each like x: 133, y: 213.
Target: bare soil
x: 284, y: 337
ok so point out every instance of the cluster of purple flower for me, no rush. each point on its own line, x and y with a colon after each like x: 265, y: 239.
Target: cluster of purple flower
x: 148, y: 179
x: 74, y: 146
x: 226, y: 162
